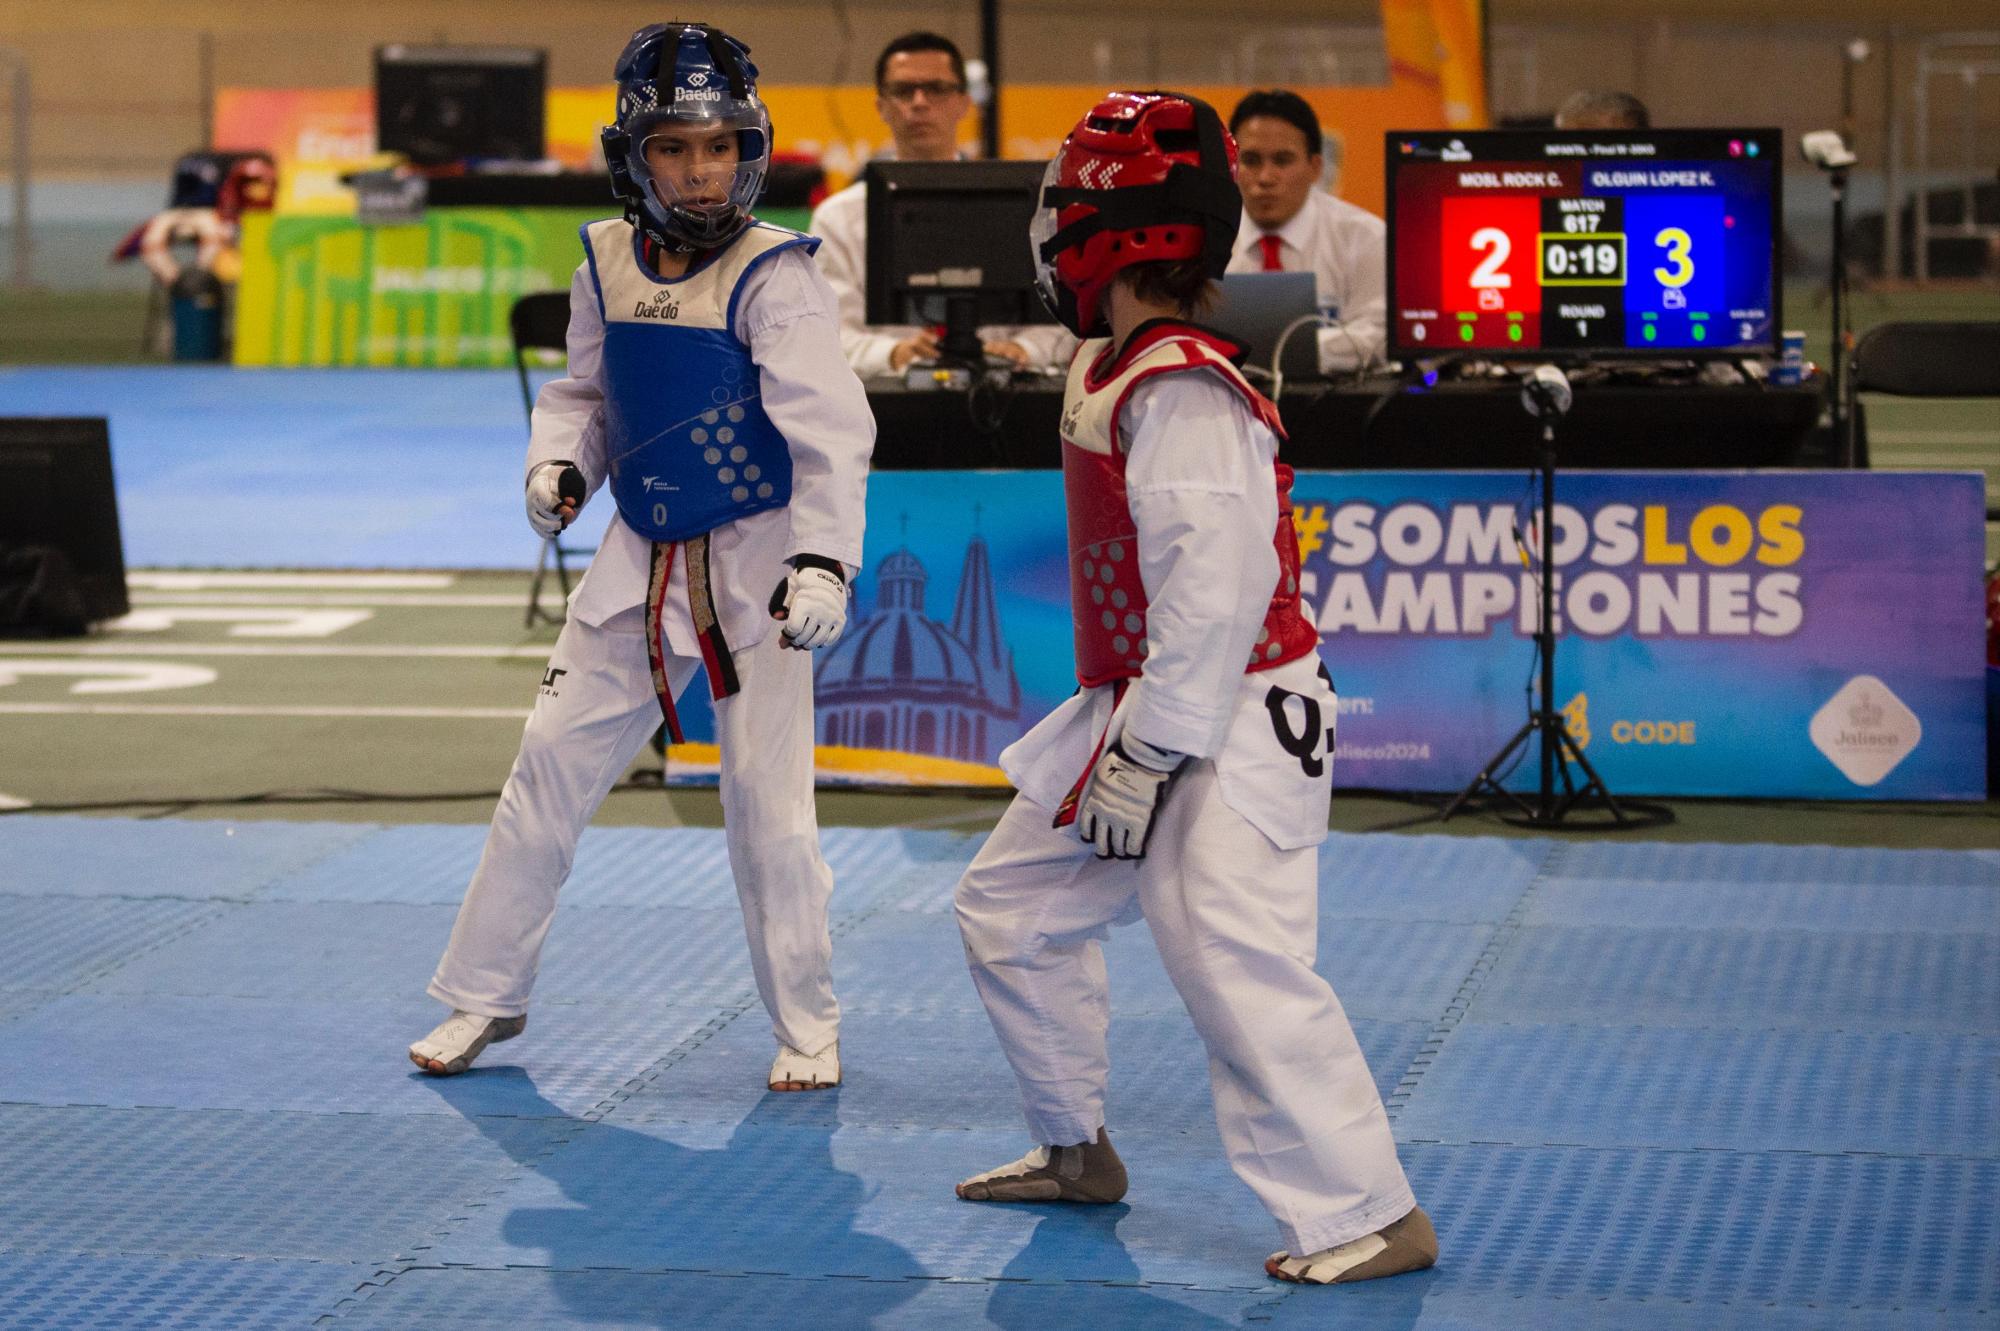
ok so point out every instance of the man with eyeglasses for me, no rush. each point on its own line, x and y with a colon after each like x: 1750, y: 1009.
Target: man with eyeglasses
x: 920, y: 93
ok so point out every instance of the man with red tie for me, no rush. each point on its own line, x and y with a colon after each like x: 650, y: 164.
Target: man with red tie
x: 1291, y: 225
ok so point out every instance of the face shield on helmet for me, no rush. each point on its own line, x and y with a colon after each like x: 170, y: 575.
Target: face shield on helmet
x: 692, y: 142
x: 1145, y: 177
x: 699, y: 176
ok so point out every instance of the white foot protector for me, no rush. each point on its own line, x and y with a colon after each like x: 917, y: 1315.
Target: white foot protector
x: 450, y: 1049
x: 794, y: 1071
x: 1409, y: 1244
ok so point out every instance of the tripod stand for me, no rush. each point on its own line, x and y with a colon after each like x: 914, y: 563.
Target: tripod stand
x: 1546, y: 394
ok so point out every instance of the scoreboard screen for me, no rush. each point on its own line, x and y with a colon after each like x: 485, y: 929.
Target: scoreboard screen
x: 1588, y: 242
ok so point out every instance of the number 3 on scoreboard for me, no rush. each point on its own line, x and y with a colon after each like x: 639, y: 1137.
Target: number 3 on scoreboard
x: 1497, y: 247
x: 1677, y: 243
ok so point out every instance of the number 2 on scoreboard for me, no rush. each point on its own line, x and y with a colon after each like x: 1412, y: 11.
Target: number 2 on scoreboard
x: 1497, y: 247
x: 1678, y: 245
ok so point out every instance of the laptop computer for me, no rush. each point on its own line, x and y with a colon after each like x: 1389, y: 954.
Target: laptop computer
x: 1256, y: 308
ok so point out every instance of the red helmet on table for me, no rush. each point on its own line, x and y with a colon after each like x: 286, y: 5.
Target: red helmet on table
x: 1145, y: 177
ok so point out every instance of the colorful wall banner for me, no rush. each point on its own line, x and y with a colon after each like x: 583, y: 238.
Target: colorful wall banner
x: 1795, y: 634
x: 328, y: 290
x: 319, y: 290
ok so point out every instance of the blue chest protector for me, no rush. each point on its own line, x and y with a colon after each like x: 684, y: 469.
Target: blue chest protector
x: 689, y: 444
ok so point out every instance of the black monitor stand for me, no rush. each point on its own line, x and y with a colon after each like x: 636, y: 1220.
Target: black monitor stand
x: 961, y: 344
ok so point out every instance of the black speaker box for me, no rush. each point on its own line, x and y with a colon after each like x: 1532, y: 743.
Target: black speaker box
x: 56, y: 490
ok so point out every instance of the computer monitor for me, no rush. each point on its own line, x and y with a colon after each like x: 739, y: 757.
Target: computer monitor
x: 948, y: 244
x: 56, y: 489
x: 443, y: 104
x: 1584, y: 243
x: 1257, y: 309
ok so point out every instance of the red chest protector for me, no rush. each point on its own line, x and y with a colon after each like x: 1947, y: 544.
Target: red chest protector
x: 1107, y: 597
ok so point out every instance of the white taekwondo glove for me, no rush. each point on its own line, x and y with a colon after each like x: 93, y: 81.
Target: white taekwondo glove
x: 812, y: 601
x: 551, y: 486
x: 1115, y: 812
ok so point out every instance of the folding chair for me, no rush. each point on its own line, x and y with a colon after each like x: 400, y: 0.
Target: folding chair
x: 541, y: 322
x: 1922, y: 360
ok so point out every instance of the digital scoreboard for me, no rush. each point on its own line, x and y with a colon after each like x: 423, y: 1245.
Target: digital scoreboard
x: 1588, y: 242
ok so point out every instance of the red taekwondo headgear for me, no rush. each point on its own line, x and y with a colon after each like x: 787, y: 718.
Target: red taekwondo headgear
x: 1145, y: 177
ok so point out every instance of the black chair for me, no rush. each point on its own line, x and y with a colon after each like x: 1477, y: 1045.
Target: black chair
x: 1922, y: 360
x: 541, y: 322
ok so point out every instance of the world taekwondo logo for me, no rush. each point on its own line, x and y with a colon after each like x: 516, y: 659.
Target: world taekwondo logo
x: 1865, y: 730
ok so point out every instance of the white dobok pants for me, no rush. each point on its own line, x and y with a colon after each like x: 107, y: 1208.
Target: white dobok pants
x: 587, y: 725
x: 1236, y: 920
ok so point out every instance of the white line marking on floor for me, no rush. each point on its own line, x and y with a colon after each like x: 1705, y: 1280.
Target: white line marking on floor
x: 273, y: 649
x: 13, y: 802
x: 245, y: 621
x: 515, y: 600
x: 219, y: 709
x: 196, y: 580
x: 110, y: 676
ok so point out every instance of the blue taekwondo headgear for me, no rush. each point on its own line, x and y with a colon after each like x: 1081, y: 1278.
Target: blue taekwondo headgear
x: 695, y: 77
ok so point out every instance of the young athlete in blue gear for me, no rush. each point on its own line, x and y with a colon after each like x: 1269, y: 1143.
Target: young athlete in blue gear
x: 1187, y: 779
x: 707, y: 390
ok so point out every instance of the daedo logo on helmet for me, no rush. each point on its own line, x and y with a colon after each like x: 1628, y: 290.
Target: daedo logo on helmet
x: 712, y: 79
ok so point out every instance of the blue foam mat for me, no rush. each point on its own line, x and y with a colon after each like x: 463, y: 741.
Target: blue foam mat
x: 1713, y: 1227
x: 1762, y: 980
x: 175, y: 1183
x: 650, y: 868
x: 249, y: 1054
x: 457, y: 1299
x: 60, y: 942
x: 58, y: 856
x: 63, y: 1292
x: 1904, y: 907
x: 896, y: 1075
x: 1459, y: 880
x: 1783, y: 1118
x: 1384, y: 970
x: 1739, y: 1090
x: 1706, y: 862
x: 853, y: 1202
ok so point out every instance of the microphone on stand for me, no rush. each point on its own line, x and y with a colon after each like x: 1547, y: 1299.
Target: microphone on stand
x: 1545, y: 392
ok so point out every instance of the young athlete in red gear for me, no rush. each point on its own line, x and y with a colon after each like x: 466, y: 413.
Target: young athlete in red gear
x: 1200, y: 744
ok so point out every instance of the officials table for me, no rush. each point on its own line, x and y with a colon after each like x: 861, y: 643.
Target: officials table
x: 1387, y: 425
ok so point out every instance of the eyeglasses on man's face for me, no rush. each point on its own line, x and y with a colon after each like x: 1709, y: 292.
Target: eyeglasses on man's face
x: 935, y: 89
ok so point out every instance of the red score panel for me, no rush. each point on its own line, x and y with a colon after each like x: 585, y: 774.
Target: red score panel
x: 1488, y: 254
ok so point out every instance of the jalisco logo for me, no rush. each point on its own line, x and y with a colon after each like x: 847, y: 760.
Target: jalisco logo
x: 1648, y: 571
x: 1865, y: 730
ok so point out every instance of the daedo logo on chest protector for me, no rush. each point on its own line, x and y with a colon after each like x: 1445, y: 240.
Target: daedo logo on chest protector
x: 660, y: 305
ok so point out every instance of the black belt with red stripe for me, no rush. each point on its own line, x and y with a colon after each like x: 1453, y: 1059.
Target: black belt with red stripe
x: 722, y: 680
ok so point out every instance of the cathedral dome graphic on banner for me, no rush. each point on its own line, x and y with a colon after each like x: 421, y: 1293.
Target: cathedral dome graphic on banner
x: 902, y: 680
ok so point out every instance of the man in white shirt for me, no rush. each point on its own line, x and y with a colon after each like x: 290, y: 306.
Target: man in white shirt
x: 920, y: 93
x: 1291, y: 225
